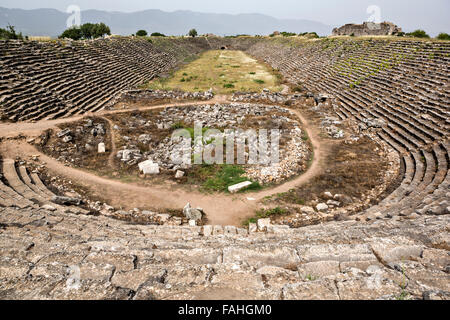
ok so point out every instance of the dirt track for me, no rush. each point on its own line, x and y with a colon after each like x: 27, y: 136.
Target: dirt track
x: 221, y: 209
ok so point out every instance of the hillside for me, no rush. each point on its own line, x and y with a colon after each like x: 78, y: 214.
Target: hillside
x: 51, y: 22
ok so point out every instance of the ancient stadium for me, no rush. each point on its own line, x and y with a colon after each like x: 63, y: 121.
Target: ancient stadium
x: 357, y: 207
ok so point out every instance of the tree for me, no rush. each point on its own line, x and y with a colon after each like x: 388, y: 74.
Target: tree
x: 157, y: 34
x: 86, y: 31
x: 10, y: 33
x: 193, y: 33
x: 100, y: 30
x: 141, y: 33
x: 73, y: 33
x: 418, y: 34
x: 443, y: 36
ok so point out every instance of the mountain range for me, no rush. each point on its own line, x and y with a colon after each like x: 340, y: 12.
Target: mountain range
x: 51, y: 22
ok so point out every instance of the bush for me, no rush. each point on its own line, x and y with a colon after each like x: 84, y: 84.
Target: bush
x: 443, y: 36
x: 312, y: 35
x: 141, y: 33
x: 86, y: 31
x: 288, y: 34
x: 157, y: 34
x: 73, y: 33
x: 10, y: 34
x: 309, y: 35
x: 193, y: 33
x: 418, y: 34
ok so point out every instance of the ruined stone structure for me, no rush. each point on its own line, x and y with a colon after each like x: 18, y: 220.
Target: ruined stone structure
x: 397, y: 250
x: 367, y: 29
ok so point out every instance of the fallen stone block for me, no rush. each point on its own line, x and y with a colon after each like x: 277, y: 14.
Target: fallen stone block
x: 148, y: 167
x: 66, y: 201
x: 179, y: 174
x: 101, y: 147
x: 192, y: 213
x: 238, y: 187
x: 48, y: 207
x: 322, y: 207
x: 263, y: 224
x: 63, y: 133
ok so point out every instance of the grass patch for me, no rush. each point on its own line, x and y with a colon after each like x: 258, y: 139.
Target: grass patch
x: 226, y: 176
x: 217, y: 178
x: 266, y: 213
x: 232, y: 70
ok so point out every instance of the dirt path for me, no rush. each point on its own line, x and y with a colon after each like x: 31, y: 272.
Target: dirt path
x: 34, y: 129
x: 113, y: 150
x: 221, y: 209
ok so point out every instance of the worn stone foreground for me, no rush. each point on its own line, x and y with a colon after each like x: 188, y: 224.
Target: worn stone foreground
x: 384, y: 259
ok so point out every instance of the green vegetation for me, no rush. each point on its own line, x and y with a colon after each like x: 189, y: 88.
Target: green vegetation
x: 141, y: 33
x: 267, y: 213
x: 404, y: 295
x: 10, y: 34
x: 157, y: 34
x: 193, y: 33
x: 223, y: 71
x: 288, y: 34
x: 217, y: 178
x: 418, y: 34
x: 309, y: 35
x: 86, y: 31
x: 310, y: 277
x: 443, y: 36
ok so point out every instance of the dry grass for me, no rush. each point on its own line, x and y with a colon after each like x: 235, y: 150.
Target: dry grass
x: 352, y: 170
x: 223, y: 71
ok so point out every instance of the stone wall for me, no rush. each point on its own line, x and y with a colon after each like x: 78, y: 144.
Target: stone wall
x: 367, y: 29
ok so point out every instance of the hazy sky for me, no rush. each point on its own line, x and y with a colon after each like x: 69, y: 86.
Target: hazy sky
x: 409, y: 14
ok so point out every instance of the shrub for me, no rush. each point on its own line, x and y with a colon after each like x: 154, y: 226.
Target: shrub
x: 193, y: 33
x: 228, y: 86
x: 309, y: 35
x: 418, y: 34
x: 10, y: 33
x: 443, y: 36
x: 258, y: 81
x: 288, y: 34
x: 141, y: 33
x: 157, y: 34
